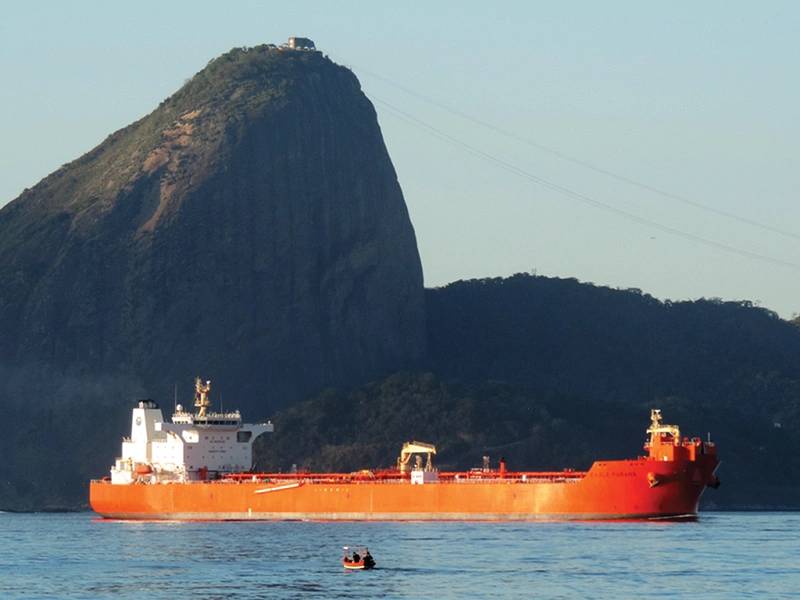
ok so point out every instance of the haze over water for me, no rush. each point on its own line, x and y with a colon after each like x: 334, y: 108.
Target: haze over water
x: 723, y: 555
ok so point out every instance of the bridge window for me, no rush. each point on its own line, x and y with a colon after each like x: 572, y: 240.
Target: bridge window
x: 243, y: 436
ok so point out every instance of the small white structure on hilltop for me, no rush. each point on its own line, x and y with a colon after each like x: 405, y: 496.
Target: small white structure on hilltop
x: 301, y: 43
x: 195, y: 446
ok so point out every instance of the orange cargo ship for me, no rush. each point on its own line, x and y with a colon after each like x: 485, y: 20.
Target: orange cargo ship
x: 196, y: 468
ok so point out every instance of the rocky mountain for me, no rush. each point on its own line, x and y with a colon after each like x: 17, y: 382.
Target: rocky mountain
x: 251, y: 229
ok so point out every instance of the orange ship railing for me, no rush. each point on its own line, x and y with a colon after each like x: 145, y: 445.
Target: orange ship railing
x: 397, y: 477
x: 392, y: 476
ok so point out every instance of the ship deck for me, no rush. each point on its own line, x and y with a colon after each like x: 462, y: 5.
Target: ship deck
x: 394, y: 477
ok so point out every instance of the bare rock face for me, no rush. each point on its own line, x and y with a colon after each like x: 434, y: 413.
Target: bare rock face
x: 250, y: 229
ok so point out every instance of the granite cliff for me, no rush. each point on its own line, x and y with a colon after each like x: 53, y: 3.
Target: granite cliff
x: 250, y: 229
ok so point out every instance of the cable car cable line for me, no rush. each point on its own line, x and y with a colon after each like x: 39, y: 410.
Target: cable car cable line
x: 583, y: 163
x: 583, y: 198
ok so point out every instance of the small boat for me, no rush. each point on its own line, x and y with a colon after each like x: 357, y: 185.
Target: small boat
x: 357, y: 558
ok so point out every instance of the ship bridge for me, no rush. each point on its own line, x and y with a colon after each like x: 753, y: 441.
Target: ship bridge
x: 194, y: 446
x: 181, y: 417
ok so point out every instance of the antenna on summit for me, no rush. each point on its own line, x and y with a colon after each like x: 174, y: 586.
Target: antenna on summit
x: 300, y: 43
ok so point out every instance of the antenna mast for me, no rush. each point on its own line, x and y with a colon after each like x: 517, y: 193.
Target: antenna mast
x: 201, y: 391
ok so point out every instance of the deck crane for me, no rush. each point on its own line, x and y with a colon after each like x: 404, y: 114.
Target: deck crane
x: 412, y: 448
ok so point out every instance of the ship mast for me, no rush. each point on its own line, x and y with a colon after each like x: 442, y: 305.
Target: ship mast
x: 657, y: 427
x: 201, y: 400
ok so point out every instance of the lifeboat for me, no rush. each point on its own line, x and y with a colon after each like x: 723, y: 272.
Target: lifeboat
x: 357, y: 558
x: 143, y: 469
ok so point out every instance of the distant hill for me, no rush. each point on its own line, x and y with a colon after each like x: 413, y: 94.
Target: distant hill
x: 612, y: 345
x: 553, y: 373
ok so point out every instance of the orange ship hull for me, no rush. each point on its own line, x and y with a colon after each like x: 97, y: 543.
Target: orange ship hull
x: 631, y: 489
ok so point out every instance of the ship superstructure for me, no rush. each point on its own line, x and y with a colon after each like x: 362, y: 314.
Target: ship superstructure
x: 195, y: 446
x: 198, y: 467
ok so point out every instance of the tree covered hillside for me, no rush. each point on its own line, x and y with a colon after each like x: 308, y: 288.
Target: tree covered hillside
x: 560, y: 335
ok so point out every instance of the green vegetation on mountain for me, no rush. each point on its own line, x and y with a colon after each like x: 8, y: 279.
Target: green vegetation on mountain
x: 366, y: 426
x: 613, y: 345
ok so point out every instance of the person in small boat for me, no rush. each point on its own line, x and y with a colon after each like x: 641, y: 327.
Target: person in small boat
x: 356, y: 557
x: 368, y: 560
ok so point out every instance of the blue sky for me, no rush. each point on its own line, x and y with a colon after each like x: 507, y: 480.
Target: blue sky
x: 698, y: 100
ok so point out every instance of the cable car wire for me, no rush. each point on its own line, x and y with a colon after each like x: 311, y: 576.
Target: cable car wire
x: 583, y: 163
x: 583, y: 198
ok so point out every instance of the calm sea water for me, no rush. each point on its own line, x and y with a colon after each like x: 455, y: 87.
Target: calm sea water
x: 723, y: 555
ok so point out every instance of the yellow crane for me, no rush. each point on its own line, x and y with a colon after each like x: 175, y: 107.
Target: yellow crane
x: 412, y: 448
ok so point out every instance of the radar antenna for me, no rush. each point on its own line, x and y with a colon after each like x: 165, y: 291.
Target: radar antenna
x: 201, y: 401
